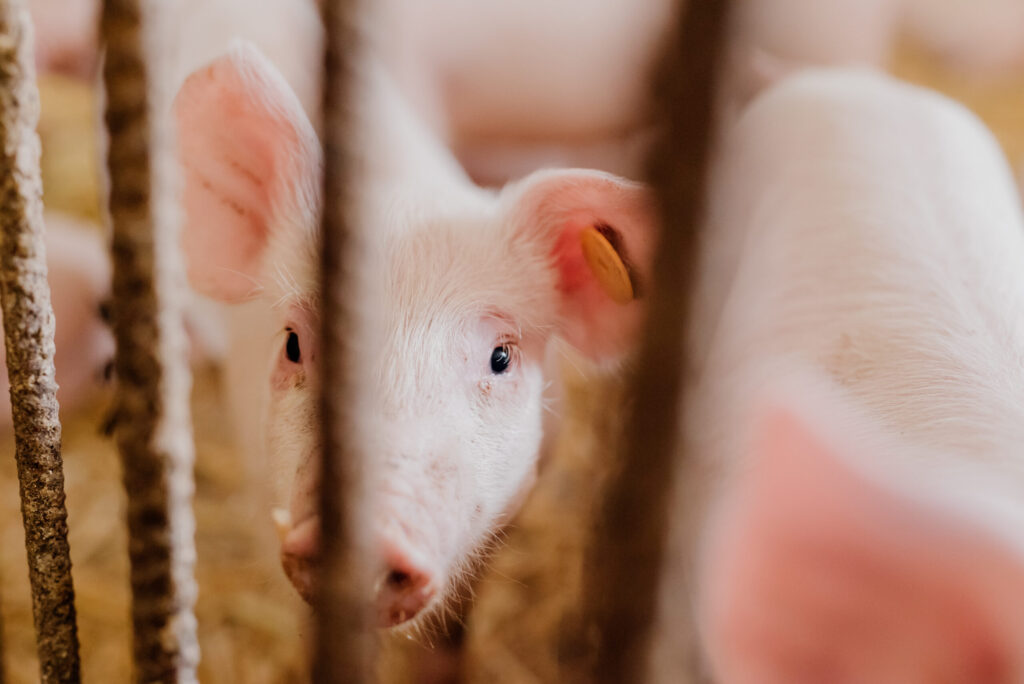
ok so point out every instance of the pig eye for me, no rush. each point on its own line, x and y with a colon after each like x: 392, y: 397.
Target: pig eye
x: 291, y: 347
x: 501, y: 359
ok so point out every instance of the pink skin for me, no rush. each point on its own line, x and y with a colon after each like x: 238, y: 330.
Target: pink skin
x: 905, y: 589
x: 65, y: 36
x: 458, y: 273
x: 982, y: 37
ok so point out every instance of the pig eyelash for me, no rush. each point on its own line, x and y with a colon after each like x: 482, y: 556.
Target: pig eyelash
x: 504, y: 357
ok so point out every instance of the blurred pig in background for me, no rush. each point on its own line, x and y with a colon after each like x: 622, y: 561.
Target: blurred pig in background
x: 532, y: 84
x: 859, y: 409
x: 517, y: 86
x: 79, y: 276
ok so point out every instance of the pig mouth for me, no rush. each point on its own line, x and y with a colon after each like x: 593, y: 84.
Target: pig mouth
x: 300, y: 552
x: 405, y: 586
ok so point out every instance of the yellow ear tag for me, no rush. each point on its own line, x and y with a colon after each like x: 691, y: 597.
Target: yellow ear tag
x: 607, y: 265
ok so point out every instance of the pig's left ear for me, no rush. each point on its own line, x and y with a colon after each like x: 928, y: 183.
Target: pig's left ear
x: 597, y: 230
x: 814, y: 572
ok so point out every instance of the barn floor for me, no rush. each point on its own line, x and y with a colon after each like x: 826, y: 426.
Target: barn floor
x: 252, y: 627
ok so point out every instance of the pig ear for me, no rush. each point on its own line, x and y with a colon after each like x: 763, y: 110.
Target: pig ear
x: 250, y: 157
x: 558, y: 208
x: 816, y: 573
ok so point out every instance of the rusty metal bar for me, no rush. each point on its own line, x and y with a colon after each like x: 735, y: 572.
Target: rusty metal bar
x: 29, y: 327
x: 631, y: 525
x: 343, y: 649
x: 152, y: 420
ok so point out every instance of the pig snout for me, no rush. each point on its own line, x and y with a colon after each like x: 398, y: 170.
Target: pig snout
x: 404, y: 583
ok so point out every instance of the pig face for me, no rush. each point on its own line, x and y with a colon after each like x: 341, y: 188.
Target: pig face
x: 466, y: 288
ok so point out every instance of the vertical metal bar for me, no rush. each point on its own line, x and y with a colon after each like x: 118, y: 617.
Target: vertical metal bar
x: 153, y: 425
x: 343, y: 639
x: 631, y: 524
x: 29, y: 326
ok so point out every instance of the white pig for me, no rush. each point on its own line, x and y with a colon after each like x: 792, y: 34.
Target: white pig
x: 469, y: 287
x: 859, y: 413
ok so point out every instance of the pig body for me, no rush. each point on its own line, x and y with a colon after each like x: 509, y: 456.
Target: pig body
x: 857, y: 421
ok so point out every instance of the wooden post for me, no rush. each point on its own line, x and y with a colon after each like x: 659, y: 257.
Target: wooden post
x: 626, y: 558
x: 153, y: 425
x: 28, y: 326
x: 343, y: 648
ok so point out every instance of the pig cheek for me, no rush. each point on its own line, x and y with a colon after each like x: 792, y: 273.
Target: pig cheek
x: 513, y: 406
x: 286, y: 376
x: 292, y: 441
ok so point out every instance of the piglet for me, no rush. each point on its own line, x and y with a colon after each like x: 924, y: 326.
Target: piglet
x: 465, y: 291
x: 858, y: 415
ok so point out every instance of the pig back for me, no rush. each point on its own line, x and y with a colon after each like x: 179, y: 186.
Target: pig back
x: 869, y: 230
x: 864, y: 242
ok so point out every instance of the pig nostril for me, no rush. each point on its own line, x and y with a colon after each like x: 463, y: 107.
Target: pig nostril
x: 404, y: 589
x: 399, y: 580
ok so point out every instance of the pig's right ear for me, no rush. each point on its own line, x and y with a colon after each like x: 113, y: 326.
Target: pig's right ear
x: 251, y: 165
x: 814, y: 572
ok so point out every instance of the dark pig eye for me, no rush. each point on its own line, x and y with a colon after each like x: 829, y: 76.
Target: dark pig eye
x: 291, y: 347
x: 501, y: 359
